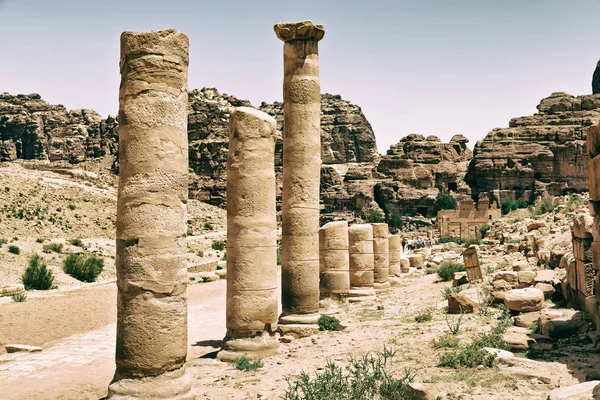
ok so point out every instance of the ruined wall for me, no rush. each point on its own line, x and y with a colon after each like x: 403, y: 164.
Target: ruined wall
x: 465, y: 221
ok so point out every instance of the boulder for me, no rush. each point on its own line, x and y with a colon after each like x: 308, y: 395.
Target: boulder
x: 547, y: 289
x: 524, y: 300
x: 536, y: 225
x: 580, y: 391
x: 14, y: 348
x: 544, y: 276
x: 526, y: 320
x: 525, y: 278
x: 463, y: 303
x: 415, y: 261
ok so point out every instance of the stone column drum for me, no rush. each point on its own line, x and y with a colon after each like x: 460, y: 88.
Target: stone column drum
x: 301, y: 177
x: 381, y: 256
x: 151, y: 218
x: 334, y: 259
x: 395, y: 246
x: 360, y: 237
x: 252, y: 289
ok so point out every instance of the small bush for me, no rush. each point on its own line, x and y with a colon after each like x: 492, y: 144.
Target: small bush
x: 279, y: 255
x: 14, y: 250
x: 425, y: 317
x: 3, y: 241
x: 37, y: 275
x: 467, y: 357
x: 71, y: 207
x: 447, y: 291
x: 52, y: 247
x: 429, y: 271
x: 218, y: 245
x: 208, y: 225
x: 243, y: 364
x: 76, y: 242
x: 373, y: 216
x: 447, y: 269
x: 445, y: 201
x: 39, y: 240
x: 371, y: 377
x: 446, y: 341
x: 85, y: 268
x: 454, y: 325
x: 450, y: 239
x: 483, y: 229
x: 513, y: 241
x: 200, y: 253
x: 471, y: 240
x: 546, y: 205
x: 224, y: 258
x: 329, y: 323
x: 19, y: 297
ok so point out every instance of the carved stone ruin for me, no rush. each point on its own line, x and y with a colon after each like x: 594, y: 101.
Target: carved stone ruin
x: 395, y: 246
x: 252, y: 289
x: 471, y: 260
x: 151, y: 218
x: 334, y: 259
x: 301, y: 177
x: 465, y: 221
x: 360, y: 237
x: 381, y: 257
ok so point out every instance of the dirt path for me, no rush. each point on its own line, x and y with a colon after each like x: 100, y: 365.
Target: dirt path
x: 81, y: 364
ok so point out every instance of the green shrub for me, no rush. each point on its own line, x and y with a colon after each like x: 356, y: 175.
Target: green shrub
x: 52, y: 247
x: 429, y: 271
x: 513, y: 241
x: 447, y: 291
x: 200, y: 253
x: 71, y: 207
x: 546, y: 205
x: 37, y: 275
x: 395, y: 221
x: 483, y: 229
x: 218, y: 245
x: 373, y: 216
x: 445, y: 201
x: 471, y: 240
x: 450, y: 239
x: 39, y: 240
x: 76, y: 242
x: 208, y: 225
x: 14, y: 249
x: 83, y: 267
x: 447, y: 269
x: 509, y: 205
x: 3, y: 241
x: 329, y: 323
x: 278, y: 255
x: 19, y: 297
x: 467, y: 357
x: 425, y: 317
x: 446, y: 341
x: 371, y: 377
x: 243, y: 364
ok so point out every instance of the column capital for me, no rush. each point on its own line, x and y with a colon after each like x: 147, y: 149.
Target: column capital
x: 303, y: 30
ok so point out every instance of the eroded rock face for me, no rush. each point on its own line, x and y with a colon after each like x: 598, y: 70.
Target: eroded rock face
x: 32, y: 129
x: 596, y: 79
x: 544, y: 153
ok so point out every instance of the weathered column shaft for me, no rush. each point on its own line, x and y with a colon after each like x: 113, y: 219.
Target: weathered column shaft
x: 360, y: 237
x: 381, y: 257
x: 252, y: 297
x: 334, y: 259
x: 151, y: 216
x: 395, y: 246
x: 301, y: 168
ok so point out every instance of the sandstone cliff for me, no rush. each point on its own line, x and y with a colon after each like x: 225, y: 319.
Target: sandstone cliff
x: 539, y: 154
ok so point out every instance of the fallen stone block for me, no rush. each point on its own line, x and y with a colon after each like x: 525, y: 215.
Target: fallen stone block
x: 548, y: 289
x: 14, y: 348
x: 524, y: 300
x: 536, y: 225
x: 581, y: 391
x: 526, y: 320
x: 460, y: 278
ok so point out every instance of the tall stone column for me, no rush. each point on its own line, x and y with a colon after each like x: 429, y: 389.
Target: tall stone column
x: 151, y: 218
x: 334, y: 259
x: 395, y: 245
x: 360, y: 237
x: 381, y: 255
x: 252, y: 297
x: 301, y: 177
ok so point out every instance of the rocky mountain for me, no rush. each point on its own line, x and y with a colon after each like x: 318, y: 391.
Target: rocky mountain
x: 539, y: 154
x: 596, y: 79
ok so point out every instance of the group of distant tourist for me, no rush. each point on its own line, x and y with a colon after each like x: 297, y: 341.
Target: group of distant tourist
x: 409, y: 246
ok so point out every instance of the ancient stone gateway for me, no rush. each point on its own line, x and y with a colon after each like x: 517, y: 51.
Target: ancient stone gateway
x: 151, y: 218
x: 334, y: 259
x: 360, y: 237
x: 301, y: 177
x: 252, y: 297
x: 381, y: 256
x: 465, y: 221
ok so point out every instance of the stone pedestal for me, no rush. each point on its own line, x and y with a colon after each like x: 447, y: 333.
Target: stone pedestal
x: 301, y: 177
x: 151, y: 218
x: 360, y: 237
x: 381, y: 266
x: 471, y: 260
x: 395, y: 246
x: 334, y: 259
x: 252, y: 302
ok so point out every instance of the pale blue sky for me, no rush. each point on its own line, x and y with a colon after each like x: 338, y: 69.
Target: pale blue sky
x: 430, y: 66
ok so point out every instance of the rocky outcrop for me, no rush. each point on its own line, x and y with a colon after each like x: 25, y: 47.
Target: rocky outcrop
x: 539, y: 154
x: 32, y: 129
x: 417, y: 168
x: 596, y: 79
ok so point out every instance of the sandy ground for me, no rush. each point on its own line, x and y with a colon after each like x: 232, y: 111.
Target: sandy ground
x: 51, y: 322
